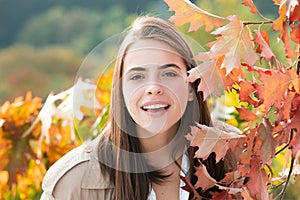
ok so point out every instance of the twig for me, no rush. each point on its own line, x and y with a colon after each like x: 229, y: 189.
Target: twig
x: 285, y: 146
x: 281, y: 194
x: 298, y: 64
x: 265, y: 22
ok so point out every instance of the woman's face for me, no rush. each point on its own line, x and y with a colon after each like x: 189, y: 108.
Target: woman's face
x: 154, y: 86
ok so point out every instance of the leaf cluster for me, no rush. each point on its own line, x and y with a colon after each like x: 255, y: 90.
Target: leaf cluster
x: 264, y: 91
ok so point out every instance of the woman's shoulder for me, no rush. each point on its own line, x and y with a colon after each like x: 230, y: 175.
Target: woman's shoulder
x: 78, y: 169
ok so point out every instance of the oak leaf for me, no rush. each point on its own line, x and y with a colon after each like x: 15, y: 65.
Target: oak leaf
x: 214, y: 139
x: 205, y: 181
x: 257, y: 184
x: 235, y: 42
x: 250, y: 4
x: 187, y: 12
x: 265, y: 143
x: 211, y: 82
x: 294, y: 23
x: 264, y: 48
x: 273, y: 88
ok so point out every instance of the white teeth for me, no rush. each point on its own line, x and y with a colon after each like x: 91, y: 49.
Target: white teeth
x: 154, y: 106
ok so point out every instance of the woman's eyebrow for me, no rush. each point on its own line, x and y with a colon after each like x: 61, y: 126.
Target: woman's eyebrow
x: 169, y: 65
x: 136, y: 69
x: 160, y: 67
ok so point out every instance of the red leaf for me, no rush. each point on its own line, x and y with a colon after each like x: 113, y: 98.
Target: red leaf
x: 190, y: 188
x: 257, y: 184
x: 187, y: 12
x: 235, y: 43
x: 205, y: 181
x: 250, y: 4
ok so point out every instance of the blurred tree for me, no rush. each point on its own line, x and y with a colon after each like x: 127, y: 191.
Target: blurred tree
x: 25, y: 68
x: 14, y: 14
x: 77, y: 28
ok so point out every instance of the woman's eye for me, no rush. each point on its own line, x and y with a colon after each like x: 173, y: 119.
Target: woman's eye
x: 170, y: 74
x: 136, y: 77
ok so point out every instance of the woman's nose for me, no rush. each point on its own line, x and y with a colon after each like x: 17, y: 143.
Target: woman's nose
x: 154, y: 89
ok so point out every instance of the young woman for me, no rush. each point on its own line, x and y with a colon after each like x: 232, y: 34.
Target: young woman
x: 143, y: 151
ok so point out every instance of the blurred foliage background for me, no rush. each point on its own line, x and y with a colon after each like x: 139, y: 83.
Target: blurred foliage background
x: 43, y: 43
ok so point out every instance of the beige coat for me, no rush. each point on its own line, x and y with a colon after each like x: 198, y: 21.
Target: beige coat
x: 77, y: 175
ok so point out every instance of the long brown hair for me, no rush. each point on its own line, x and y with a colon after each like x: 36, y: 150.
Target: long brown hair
x: 129, y: 183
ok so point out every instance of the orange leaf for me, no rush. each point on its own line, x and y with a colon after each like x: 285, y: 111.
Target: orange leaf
x: 250, y: 4
x: 274, y: 85
x: 245, y: 114
x: 265, y: 50
x: 294, y: 23
x: 187, y: 12
x: 235, y: 43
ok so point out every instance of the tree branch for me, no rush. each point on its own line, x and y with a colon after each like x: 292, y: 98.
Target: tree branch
x: 281, y: 194
x: 285, y: 146
x: 265, y: 22
x: 298, y: 64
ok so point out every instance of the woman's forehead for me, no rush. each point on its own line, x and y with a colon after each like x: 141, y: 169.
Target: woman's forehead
x: 151, y: 53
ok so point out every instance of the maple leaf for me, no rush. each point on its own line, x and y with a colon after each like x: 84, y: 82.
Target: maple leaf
x: 235, y: 43
x: 205, y: 181
x: 250, y: 4
x: 258, y: 180
x: 265, y: 143
x: 211, y: 81
x: 187, y: 12
x: 214, y: 139
x: 264, y: 48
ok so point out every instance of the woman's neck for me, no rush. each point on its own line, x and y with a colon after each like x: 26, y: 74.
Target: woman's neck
x: 157, y: 141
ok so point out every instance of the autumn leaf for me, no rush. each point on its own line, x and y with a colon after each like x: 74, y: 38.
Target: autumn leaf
x: 205, y: 181
x: 235, y: 42
x: 264, y: 48
x: 245, y: 114
x: 294, y: 23
x: 274, y: 85
x: 257, y: 184
x: 187, y: 12
x: 286, y: 10
x: 214, y: 139
x: 190, y: 188
x: 265, y: 143
x: 211, y: 82
x: 251, y: 5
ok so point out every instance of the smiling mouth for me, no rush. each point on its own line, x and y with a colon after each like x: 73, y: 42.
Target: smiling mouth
x: 155, y: 107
